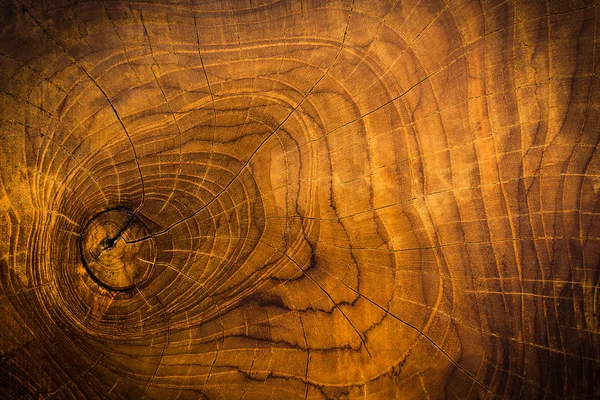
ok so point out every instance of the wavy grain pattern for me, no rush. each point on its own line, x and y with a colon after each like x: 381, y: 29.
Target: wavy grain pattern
x: 299, y: 199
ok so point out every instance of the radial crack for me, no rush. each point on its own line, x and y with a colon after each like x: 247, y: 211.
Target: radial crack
x: 80, y: 67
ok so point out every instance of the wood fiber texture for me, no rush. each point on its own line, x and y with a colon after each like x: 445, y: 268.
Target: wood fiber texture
x: 299, y: 199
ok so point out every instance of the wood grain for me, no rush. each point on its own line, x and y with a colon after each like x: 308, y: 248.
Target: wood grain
x: 296, y: 199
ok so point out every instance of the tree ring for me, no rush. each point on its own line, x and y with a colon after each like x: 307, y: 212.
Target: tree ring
x: 110, y: 254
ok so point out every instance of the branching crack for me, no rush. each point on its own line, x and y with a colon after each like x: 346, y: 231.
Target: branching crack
x: 110, y: 103
x: 262, y: 143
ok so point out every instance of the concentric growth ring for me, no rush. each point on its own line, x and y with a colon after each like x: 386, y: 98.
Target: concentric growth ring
x: 109, y: 258
x: 299, y: 200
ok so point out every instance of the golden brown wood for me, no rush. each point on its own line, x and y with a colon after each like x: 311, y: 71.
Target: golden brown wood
x: 292, y: 199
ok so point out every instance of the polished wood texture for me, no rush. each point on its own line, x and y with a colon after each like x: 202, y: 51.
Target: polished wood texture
x: 299, y: 199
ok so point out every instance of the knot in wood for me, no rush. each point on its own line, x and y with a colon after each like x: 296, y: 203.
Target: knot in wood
x: 108, y: 253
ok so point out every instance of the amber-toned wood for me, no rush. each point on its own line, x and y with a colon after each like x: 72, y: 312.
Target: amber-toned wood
x: 294, y: 199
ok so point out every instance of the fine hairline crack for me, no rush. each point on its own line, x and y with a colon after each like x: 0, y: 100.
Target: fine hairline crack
x: 110, y: 103
x: 247, y: 163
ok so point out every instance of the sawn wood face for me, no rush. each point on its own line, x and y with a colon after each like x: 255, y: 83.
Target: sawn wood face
x: 299, y: 199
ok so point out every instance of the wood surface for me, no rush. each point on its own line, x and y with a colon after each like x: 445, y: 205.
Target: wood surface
x: 299, y: 199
